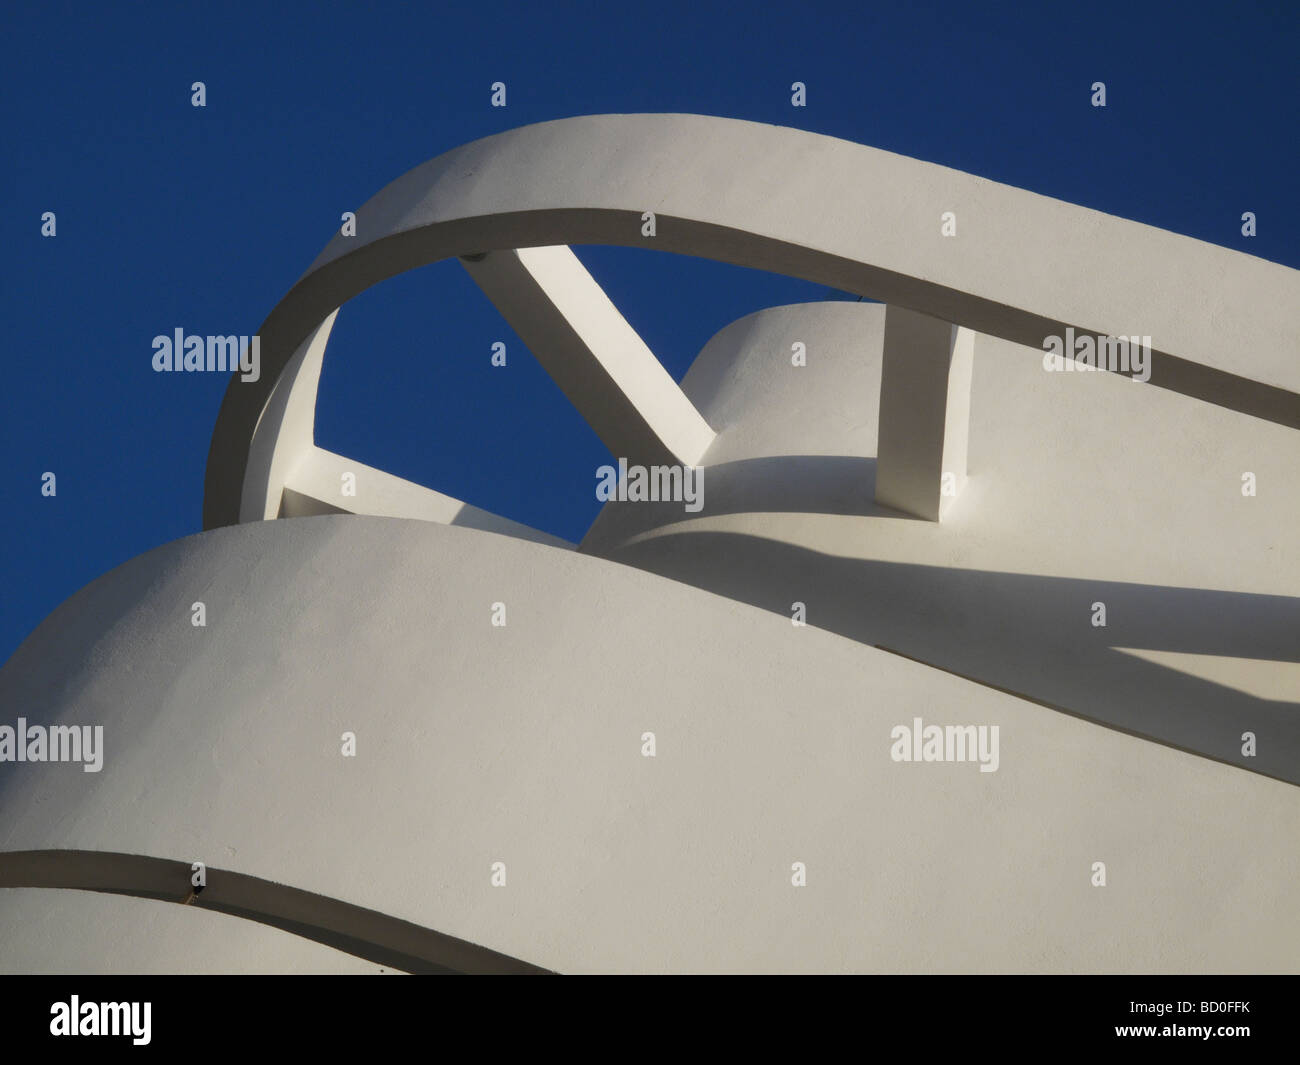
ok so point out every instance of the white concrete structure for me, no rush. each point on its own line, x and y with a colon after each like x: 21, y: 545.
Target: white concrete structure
x: 775, y: 747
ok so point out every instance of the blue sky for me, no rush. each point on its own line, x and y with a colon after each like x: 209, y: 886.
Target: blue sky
x: 170, y: 215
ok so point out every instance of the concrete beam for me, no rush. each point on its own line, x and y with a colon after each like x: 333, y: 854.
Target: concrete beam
x: 925, y: 376
x: 315, y: 486
x: 1023, y: 267
x: 599, y: 361
x: 285, y: 433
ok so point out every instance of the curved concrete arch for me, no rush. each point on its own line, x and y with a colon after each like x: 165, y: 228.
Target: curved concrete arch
x: 352, y: 929
x: 858, y: 219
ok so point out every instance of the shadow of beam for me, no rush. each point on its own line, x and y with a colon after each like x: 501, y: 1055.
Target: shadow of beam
x: 1028, y: 635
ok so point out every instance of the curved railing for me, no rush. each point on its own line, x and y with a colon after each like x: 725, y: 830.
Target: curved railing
x: 944, y: 245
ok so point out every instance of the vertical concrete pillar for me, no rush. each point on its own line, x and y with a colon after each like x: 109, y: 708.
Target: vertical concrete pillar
x: 925, y: 377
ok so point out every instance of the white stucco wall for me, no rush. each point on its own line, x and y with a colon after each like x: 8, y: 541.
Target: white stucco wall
x: 522, y: 744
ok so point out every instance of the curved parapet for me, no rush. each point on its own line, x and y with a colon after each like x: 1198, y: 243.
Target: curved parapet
x: 524, y: 745
x: 1222, y: 325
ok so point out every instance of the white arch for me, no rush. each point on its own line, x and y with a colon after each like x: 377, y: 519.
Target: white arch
x: 1021, y: 266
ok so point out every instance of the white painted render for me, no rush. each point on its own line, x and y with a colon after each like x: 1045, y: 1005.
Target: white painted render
x: 522, y: 743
